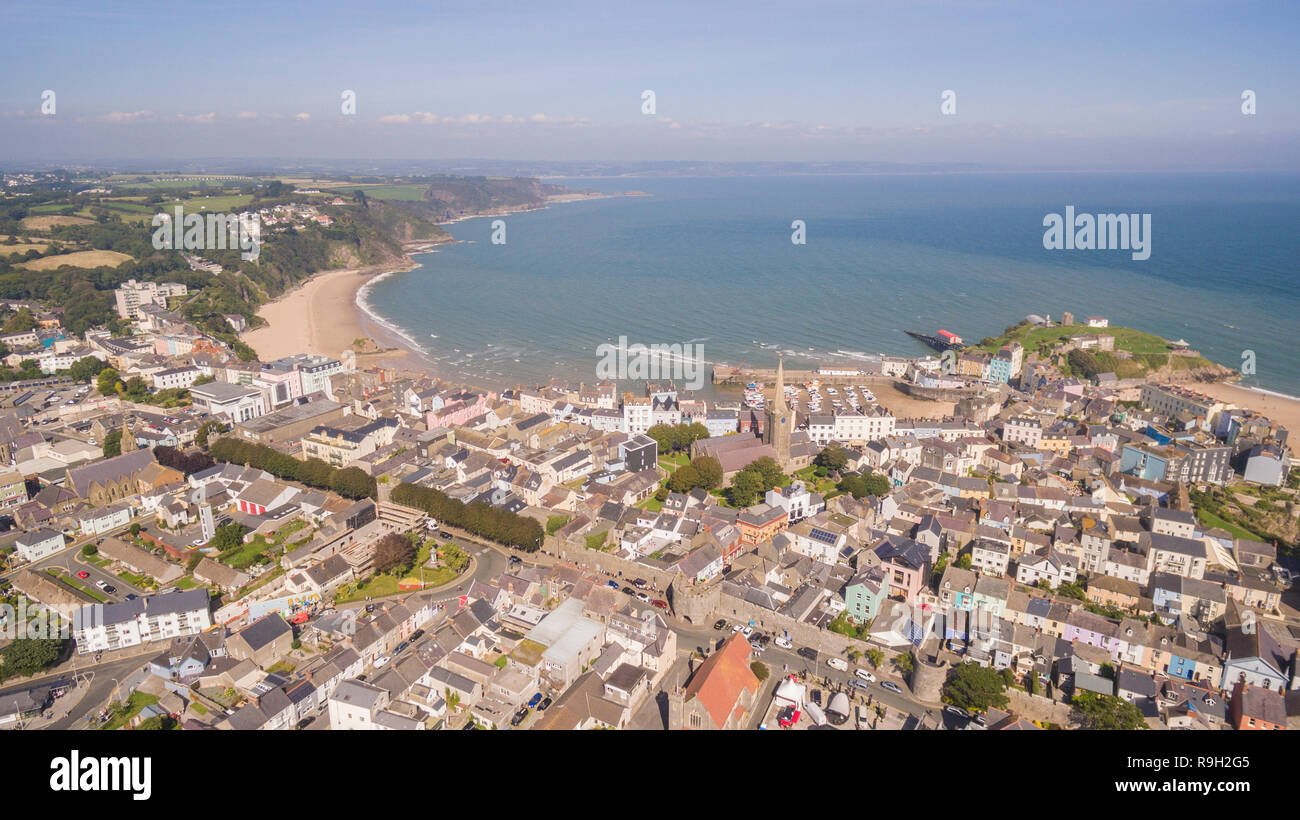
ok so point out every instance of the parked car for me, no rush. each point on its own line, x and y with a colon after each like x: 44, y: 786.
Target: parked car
x: 629, y: 591
x: 612, y: 584
x: 783, y: 643
x: 865, y: 675
x: 544, y: 705
x: 519, y: 717
x: 643, y: 598
x: 83, y: 574
x: 891, y: 686
x: 640, y: 583
x: 401, y: 646
x: 659, y: 604
x: 747, y: 631
x: 534, y: 700
x: 102, y: 584
x: 807, y: 652
x: 302, y: 724
x: 956, y: 710
x: 417, y: 635
x: 720, y: 624
x: 864, y: 722
x: 110, y: 589
x: 838, y: 663
x: 131, y: 597
x: 738, y: 628
x: 858, y: 684
x: 382, y: 661
x: 756, y: 647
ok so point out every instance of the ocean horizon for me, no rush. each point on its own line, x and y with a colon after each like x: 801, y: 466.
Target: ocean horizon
x: 710, y: 262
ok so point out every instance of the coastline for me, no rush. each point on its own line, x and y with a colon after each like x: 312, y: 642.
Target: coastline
x: 1283, y: 409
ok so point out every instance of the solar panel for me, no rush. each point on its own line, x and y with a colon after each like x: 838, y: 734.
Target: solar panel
x: 822, y: 535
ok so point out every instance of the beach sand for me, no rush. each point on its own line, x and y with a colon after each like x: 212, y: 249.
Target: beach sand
x: 1282, y: 409
x: 319, y: 316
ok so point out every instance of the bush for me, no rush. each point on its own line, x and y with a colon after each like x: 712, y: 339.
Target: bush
x: 483, y: 520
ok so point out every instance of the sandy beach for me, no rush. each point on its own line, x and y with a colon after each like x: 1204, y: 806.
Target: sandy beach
x: 318, y: 316
x: 1281, y: 409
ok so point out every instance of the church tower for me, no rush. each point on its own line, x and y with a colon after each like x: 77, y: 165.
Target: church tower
x: 128, y: 438
x: 776, y: 430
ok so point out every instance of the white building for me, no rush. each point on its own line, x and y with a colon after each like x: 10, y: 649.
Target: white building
x: 233, y: 402
x: 176, y: 377
x: 99, y: 627
x: 39, y: 544
x: 132, y: 295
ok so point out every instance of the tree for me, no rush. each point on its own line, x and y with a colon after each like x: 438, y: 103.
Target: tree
x: 876, y: 657
x: 974, y: 687
x: 709, y: 470
x: 861, y: 485
x: 394, y: 552
x: 832, y: 458
x: 107, y: 382
x: 1106, y: 712
x: 113, y: 444
x: 745, y: 487
x: 86, y: 368
x: 353, y: 482
x: 27, y: 656
x: 963, y: 561
x: 903, y: 663
x: 206, y: 429
x: 684, y: 479
x: 228, y: 537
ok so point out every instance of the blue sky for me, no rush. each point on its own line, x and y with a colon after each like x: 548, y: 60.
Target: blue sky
x: 1038, y: 84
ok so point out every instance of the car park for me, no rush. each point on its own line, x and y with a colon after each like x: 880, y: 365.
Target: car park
x: 864, y: 675
x: 891, y: 686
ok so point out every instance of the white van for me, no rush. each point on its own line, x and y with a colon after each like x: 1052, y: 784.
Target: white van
x: 865, y: 675
x: 838, y: 663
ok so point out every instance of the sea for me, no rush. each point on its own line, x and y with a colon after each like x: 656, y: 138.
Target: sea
x: 710, y: 262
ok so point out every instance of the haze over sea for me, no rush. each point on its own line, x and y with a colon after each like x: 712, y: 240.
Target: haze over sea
x: 709, y: 260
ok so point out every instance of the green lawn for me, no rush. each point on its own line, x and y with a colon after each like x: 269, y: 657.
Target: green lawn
x: 1209, y: 519
x: 123, y: 714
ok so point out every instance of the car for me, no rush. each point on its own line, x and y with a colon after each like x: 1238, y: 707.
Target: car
x: 956, y: 710
x: 783, y: 643
x: 519, y: 717
x: 417, y: 635
x: 979, y: 718
x: 544, y: 705
x: 755, y: 648
x: 198, y: 542
x: 807, y: 652
x: 891, y: 686
x: 864, y: 722
x: 858, y: 684
x: 612, y: 584
x: 643, y: 598
x: 629, y: 591
x: 83, y: 574
x: 640, y: 583
x: 302, y: 724
x: 110, y: 589
x: 838, y: 663
x: 102, y: 584
x: 131, y: 597
x: 534, y: 700
x: 445, y: 536
x: 468, y: 727
x: 864, y: 675
x: 747, y: 631
x: 659, y: 604
x: 738, y: 628
x: 382, y: 661
x: 400, y: 647
x: 817, y: 696
x: 720, y: 624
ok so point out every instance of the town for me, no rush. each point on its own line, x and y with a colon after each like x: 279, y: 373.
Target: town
x: 308, y: 543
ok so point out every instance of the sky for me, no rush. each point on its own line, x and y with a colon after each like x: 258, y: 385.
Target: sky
x: 1037, y: 84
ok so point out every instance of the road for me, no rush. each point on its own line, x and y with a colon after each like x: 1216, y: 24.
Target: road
x: 69, y: 560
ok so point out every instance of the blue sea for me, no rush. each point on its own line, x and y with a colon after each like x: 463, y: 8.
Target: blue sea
x: 710, y: 261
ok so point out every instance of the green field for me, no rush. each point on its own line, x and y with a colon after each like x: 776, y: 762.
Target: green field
x: 409, y: 193
x: 209, y: 204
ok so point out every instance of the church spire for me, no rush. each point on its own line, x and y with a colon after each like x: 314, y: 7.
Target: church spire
x: 780, y: 383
